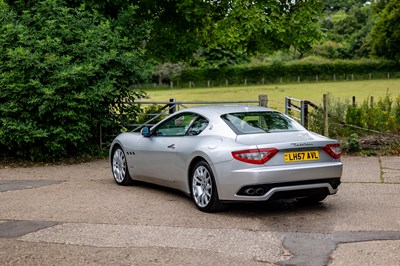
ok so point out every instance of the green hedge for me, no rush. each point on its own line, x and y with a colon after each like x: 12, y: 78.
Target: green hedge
x: 274, y: 72
x: 62, y: 71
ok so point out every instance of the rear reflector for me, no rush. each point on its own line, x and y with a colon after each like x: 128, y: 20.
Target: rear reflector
x: 334, y: 150
x: 255, y: 156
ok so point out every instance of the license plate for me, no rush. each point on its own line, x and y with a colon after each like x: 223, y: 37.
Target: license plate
x: 301, y: 156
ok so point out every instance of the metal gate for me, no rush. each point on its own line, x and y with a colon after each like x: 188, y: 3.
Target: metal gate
x: 298, y: 109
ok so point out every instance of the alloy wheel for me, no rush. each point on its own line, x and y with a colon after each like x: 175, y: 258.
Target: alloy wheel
x: 202, y: 186
x: 119, y: 165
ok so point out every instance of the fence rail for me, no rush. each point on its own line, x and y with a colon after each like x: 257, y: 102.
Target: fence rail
x: 295, y: 108
x: 173, y: 106
x: 299, y: 109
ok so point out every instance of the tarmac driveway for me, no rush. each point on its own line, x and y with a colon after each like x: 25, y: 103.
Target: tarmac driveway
x: 76, y: 214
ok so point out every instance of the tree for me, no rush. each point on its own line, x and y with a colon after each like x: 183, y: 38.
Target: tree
x: 385, y: 34
x: 346, y: 33
x: 62, y: 72
x: 345, y: 5
x: 183, y: 27
x: 108, y: 8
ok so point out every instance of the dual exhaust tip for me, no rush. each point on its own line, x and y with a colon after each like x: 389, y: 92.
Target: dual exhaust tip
x: 254, y: 191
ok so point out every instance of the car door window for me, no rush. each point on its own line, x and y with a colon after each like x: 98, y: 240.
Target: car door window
x: 176, y: 125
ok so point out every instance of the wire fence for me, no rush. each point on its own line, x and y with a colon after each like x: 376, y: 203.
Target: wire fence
x: 203, y: 83
x: 321, y: 119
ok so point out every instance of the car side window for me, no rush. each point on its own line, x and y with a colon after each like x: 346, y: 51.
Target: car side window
x: 198, y: 126
x: 176, y: 125
x: 259, y: 122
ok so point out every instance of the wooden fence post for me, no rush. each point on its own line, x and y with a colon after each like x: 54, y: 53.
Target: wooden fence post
x: 263, y: 100
x: 325, y: 114
x: 287, y: 105
x: 304, y: 113
x: 172, y: 106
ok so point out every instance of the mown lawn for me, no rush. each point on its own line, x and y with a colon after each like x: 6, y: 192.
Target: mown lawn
x: 344, y: 90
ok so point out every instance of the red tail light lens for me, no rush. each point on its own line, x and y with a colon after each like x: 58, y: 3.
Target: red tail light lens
x: 255, y: 156
x: 334, y: 150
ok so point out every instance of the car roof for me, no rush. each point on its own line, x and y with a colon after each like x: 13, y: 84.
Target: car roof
x: 225, y: 109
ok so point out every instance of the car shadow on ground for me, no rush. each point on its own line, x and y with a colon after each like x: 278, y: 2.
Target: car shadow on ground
x: 271, y: 207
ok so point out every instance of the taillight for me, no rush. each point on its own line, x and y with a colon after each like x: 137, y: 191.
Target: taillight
x: 334, y: 150
x: 255, y: 156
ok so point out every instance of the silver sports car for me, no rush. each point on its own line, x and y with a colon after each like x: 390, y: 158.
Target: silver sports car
x: 220, y: 154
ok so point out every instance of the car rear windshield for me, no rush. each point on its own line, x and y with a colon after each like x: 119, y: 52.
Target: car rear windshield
x: 260, y: 122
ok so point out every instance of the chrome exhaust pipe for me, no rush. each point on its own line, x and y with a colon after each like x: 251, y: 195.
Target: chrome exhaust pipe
x: 260, y: 191
x: 250, y: 191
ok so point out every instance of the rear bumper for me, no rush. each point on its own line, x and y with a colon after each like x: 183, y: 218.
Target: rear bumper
x: 277, y: 181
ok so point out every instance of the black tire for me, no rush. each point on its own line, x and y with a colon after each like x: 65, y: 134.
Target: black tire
x: 119, y: 167
x: 203, y: 188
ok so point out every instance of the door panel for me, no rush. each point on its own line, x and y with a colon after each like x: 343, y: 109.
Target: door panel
x: 155, y: 157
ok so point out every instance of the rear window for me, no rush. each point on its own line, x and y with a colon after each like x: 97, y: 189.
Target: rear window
x: 260, y: 122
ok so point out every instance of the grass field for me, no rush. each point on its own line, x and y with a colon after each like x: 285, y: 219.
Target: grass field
x: 344, y: 90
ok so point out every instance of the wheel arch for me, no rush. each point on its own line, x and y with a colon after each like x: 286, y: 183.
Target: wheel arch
x: 122, y: 141
x: 192, y: 164
x: 113, y: 146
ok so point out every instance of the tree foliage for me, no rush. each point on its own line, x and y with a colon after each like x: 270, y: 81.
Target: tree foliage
x: 359, y: 29
x: 346, y: 32
x: 345, y: 5
x: 266, y: 26
x: 385, y: 35
x: 182, y: 27
x: 62, y: 70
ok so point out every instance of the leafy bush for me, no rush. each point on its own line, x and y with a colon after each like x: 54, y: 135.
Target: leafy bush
x: 353, y: 143
x: 369, y: 128
x: 150, y: 113
x: 62, y: 73
x: 218, y: 57
x: 396, y: 113
x: 328, y: 49
x: 346, y: 119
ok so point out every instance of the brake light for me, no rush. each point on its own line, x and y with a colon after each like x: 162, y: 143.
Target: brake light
x: 334, y: 150
x: 255, y: 156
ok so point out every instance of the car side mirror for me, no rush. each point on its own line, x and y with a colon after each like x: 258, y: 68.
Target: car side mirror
x: 145, y: 132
